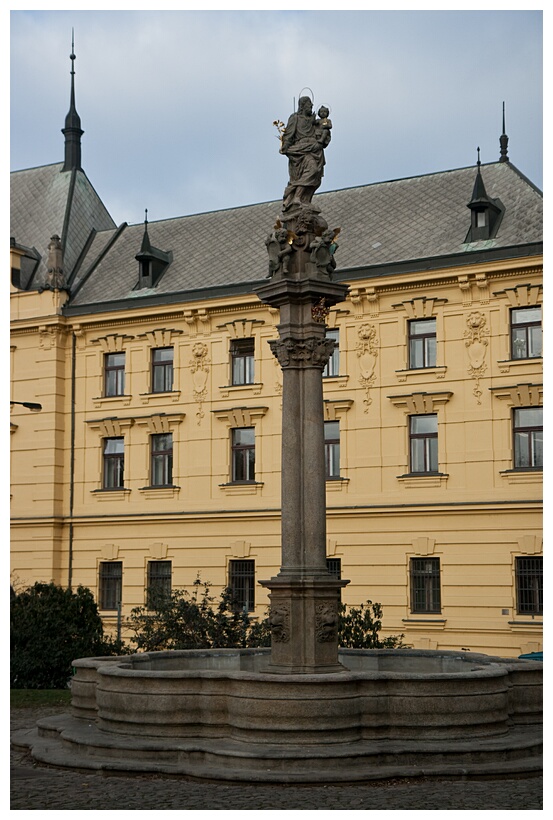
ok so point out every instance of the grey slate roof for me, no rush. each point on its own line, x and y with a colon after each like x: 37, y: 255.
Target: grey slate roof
x: 397, y: 221
x: 47, y: 201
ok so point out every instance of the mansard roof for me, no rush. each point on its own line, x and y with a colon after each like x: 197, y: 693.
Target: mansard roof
x: 47, y: 201
x: 386, y: 227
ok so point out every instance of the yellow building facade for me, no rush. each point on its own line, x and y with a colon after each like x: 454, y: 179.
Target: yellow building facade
x: 155, y: 456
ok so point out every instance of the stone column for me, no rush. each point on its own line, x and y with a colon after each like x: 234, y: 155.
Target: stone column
x: 304, y: 596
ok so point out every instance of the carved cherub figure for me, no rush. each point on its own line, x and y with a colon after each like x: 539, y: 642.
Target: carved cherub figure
x: 323, y: 249
x: 279, y: 248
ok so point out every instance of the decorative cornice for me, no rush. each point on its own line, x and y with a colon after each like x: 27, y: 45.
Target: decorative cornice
x: 160, y: 422
x: 419, y: 403
x: 240, y: 416
x: 334, y: 408
x: 422, y: 308
x: 111, y: 427
x: 113, y: 342
x: 520, y: 395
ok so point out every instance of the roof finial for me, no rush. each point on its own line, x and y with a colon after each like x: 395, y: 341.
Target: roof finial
x: 145, y: 217
x: 478, y: 160
x: 503, y: 141
x: 72, y: 130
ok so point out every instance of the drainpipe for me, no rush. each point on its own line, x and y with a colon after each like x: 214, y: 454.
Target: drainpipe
x: 72, y: 461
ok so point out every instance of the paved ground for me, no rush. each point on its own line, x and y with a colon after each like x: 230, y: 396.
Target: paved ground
x: 42, y: 787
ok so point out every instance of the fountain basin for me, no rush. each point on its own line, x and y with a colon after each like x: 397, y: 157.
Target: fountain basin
x: 218, y: 714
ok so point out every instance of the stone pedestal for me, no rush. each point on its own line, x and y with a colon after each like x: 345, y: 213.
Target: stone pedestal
x: 304, y: 596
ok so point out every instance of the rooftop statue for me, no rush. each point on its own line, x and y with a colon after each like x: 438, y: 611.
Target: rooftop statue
x: 303, y: 141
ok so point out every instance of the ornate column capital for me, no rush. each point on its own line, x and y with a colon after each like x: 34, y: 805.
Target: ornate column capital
x: 311, y: 351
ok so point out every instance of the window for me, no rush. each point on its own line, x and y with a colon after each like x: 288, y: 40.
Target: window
x: 332, y: 367
x: 114, y: 374
x: 162, y: 459
x: 111, y: 576
x: 425, y: 585
x: 241, y: 583
x: 334, y: 566
x: 528, y: 438
x: 242, y: 361
x: 162, y: 370
x: 423, y: 438
x: 422, y: 343
x: 159, y: 581
x: 526, y: 333
x: 114, y: 463
x: 332, y: 449
x: 243, y: 454
x: 529, y: 585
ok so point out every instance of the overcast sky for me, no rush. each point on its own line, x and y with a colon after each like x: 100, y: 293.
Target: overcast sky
x: 177, y: 106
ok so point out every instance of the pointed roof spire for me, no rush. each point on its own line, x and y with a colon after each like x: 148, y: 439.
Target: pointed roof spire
x: 146, y: 247
x: 503, y: 142
x: 479, y: 191
x: 72, y: 131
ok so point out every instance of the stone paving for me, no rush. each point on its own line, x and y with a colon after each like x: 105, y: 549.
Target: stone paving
x: 41, y: 787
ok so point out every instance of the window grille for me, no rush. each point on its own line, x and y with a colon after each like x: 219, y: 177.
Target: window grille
x: 114, y: 374
x: 110, y: 584
x: 425, y: 585
x: 162, y: 370
x: 334, y: 566
x: 159, y: 581
x: 242, y: 584
x: 529, y: 585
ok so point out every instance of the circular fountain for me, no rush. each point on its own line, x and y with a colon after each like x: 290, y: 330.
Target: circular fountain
x: 219, y: 714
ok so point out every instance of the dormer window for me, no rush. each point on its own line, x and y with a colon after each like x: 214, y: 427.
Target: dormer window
x: 480, y: 219
x: 486, y: 213
x: 152, y: 263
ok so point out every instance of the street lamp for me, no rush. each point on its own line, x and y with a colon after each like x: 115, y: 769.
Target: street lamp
x: 30, y: 405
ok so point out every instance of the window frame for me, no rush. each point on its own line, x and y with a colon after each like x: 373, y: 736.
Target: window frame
x: 418, y: 344
x: 531, y: 431
x: 332, y: 451
x: 332, y: 367
x: 529, y: 584
x: 241, y: 582
x: 158, y: 584
x: 110, y: 585
x: 163, y: 456
x: 429, y: 451
x: 334, y: 567
x: 425, y: 585
x: 113, y: 464
x: 525, y: 327
x: 163, y: 367
x: 242, y: 361
x: 114, y: 375
x: 241, y: 462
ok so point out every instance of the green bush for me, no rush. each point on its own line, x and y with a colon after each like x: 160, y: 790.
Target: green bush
x: 193, y: 620
x: 49, y: 628
x: 359, y: 628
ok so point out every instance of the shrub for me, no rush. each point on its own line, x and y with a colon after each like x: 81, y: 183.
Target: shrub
x: 193, y: 620
x: 49, y: 628
x: 359, y: 628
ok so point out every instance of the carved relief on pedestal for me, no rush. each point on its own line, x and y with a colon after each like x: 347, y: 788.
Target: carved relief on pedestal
x: 476, y: 344
x: 326, y: 622
x: 367, y: 353
x: 200, y: 371
x: 310, y: 352
x: 279, y: 621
